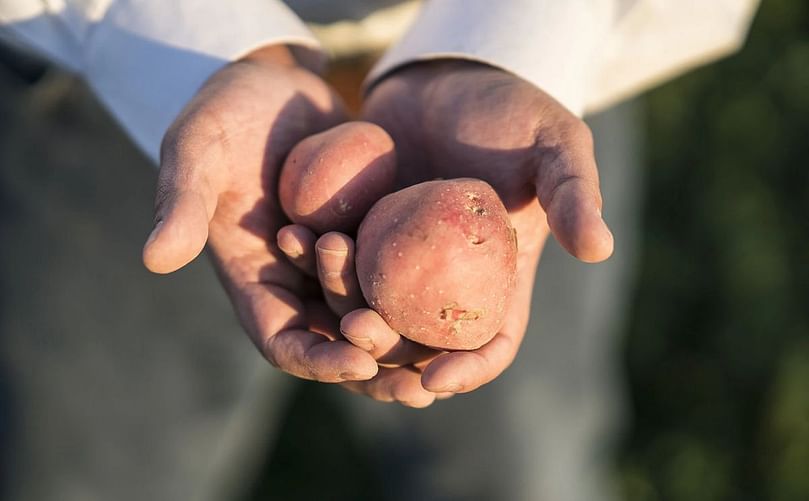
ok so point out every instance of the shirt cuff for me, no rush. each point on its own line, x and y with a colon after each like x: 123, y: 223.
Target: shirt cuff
x: 549, y: 43
x: 147, y: 59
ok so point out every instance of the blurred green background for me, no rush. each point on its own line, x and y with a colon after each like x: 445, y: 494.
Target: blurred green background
x: 718, y: 350
x: 717, y: 354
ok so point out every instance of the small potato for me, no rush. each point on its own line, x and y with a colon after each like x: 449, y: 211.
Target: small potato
x: 438, y: 262
x: 331, y: 179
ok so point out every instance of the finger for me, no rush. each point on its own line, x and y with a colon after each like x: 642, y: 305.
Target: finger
x: 312, y: 356
x: 464, y: 371
x: 421, y: 365
x: 335, y: 269
x: 297, y: 242
x: 401, y: 385
x: 187, y: 193
x: 322, y: 320
x: 568, y: 190
x: 366, y: 329
x: 180, y: 232
x: 275, y: 319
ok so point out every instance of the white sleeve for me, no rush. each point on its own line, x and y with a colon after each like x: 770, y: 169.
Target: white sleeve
x: 585, y: 53
x: 145, y: 59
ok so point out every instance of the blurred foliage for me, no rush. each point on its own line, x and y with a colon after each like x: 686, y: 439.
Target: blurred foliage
x: 718, y: 351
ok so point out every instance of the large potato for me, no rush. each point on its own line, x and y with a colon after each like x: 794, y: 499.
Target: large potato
x: 438, y: 262
x: 330, y: 180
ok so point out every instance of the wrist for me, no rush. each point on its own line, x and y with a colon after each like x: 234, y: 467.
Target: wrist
x: 428, y: 85
x: 273, y: 54
x: 290, y: 56
x: 420, y: 74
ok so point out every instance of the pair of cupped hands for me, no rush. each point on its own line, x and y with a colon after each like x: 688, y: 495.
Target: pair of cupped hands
x: 300, y: 303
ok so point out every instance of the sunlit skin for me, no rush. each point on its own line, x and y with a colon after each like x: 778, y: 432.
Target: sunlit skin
x: 220, y: 162
x: 456, y: 119
x: 218, y: 185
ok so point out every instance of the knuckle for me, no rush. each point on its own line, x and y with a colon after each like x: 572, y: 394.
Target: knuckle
x: 268, y: 351
x: 379, y: 394
x: 406, y: 394
x: 162, y: 196
x: 198, y: 130
x: 336, y: 279
x: 169, y: 141
x: 578, y: 132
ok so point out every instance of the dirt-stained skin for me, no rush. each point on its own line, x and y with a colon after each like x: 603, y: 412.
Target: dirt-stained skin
x: 331, y: 179
x: 437, y: 261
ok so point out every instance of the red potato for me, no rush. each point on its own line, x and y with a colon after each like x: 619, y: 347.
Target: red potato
x: 438, y: 262
x: 331, y: 179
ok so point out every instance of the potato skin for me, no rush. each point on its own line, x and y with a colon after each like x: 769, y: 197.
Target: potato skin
x: 330, y: 180
x: 437, y: 261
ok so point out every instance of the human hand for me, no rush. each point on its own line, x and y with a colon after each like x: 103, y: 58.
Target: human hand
x: 218, y: 184
x: 329, y: 181
x: 454, y: 119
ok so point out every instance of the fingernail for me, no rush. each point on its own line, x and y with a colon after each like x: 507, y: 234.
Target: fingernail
x: 333, y: 252
x: 295, y: 252
x: 353, y: 376
x: 154, y: 232
x: 449, y: 388
x: 362, y: 342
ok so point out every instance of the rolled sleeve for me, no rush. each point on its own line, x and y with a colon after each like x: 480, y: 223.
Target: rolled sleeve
x: 549, y: 43
x: 147, y: 59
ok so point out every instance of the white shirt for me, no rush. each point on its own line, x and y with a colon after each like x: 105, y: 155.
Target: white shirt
x: 146, y: 58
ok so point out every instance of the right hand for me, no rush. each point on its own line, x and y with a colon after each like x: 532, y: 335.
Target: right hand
x: 218, y: 184
x: 453, y: 119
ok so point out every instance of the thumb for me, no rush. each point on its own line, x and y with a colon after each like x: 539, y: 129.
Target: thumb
x: 185, y: 204
x: 568, y: 190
